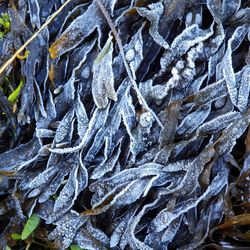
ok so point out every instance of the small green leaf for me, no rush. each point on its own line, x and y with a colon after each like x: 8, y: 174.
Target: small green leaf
x: 14, y: 95
x: 7, y: 26
x: 16, y: 236
x: 75, y: 247
x: 8, y: 248
x: 54, y: 197
x: 1, y: 34
x: 30, y: 226
x: 104, y: 50
x: 2, y: 21
x: 5, y: 17
x: 5, y: 23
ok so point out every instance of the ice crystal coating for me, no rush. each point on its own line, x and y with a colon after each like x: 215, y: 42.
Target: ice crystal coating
x: 132, y: 128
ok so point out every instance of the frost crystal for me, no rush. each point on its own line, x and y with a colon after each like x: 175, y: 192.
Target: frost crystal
x: 131, y: 129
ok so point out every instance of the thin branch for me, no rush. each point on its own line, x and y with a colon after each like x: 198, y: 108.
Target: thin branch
x: 130, y: 75
x: 7, y: 63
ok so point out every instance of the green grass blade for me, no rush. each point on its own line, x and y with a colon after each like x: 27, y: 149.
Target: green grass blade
x: 14, y: 95
x: 30, y: 226
x: 16, y: 236
x: 104, y: 50
x: 75, y: 247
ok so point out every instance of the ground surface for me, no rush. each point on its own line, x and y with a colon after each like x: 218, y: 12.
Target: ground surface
x: 124, y: 124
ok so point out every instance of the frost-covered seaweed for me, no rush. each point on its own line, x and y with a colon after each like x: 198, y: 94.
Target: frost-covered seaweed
x: 129, y: 131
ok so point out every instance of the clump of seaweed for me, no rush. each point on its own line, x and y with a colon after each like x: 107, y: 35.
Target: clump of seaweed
x: 125, y: 124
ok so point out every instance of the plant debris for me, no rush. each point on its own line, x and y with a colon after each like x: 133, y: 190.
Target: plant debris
x: 125, y: 124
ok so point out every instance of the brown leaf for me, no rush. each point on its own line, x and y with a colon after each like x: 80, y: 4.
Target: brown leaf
x: 239, y: 220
